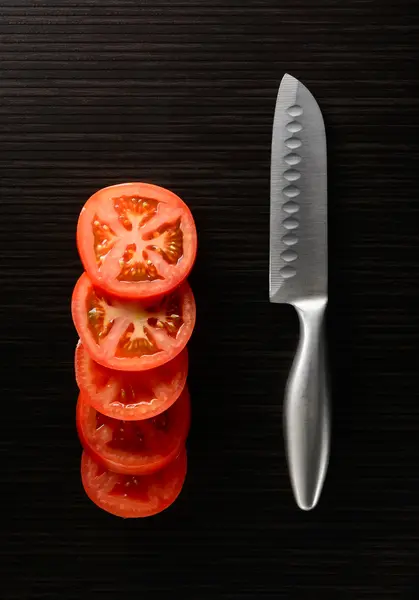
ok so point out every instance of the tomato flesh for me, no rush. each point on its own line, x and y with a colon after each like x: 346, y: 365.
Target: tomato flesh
x: 132, y: 496
x: 136, y: 240
x: 130, y: 396
x: 134, y: 447
x: 129, y: 334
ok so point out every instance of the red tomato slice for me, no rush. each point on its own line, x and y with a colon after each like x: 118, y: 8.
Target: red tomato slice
x: 133, y: 495
x: 134, y: 447
x: 136, y: 240
x: 128, y: 334
x: 130, y: 396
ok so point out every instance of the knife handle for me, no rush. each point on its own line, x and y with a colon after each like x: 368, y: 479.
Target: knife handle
x: 307, y: 407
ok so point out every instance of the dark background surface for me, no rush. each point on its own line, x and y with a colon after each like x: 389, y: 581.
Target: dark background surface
x: 181, y: 93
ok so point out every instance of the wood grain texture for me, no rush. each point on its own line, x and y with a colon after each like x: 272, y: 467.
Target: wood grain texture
x: 181, y: 93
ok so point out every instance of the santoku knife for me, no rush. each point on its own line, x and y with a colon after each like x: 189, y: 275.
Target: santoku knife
x: 298, y: 276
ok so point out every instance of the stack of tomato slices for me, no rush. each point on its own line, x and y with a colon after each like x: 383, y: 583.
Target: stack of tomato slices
x: 134, y: 313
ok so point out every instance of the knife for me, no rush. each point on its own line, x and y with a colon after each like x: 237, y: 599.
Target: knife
x: 298, y: 276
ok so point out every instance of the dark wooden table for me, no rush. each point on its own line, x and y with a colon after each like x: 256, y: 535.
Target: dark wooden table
x: 181, y: 93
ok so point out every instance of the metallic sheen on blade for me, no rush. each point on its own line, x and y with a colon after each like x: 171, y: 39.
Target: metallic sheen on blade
x: 298, y: 233
x: 298, y: 275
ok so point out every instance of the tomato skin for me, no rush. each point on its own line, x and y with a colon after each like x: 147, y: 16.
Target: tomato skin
x: 98, y: 351
x: 151, y: 392
x: 157, y: 449
x: 131, y: 496
x: 176, y: 272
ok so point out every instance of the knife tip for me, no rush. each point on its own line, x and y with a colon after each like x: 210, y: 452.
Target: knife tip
x: 288, y: 77
x: 288, y: 84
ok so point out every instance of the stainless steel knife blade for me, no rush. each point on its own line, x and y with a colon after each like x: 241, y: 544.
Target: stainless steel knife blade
x: 298, y: 275
x: 298, y: 236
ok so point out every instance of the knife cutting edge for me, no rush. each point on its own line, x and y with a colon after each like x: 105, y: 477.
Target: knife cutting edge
x: 298, y: 276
